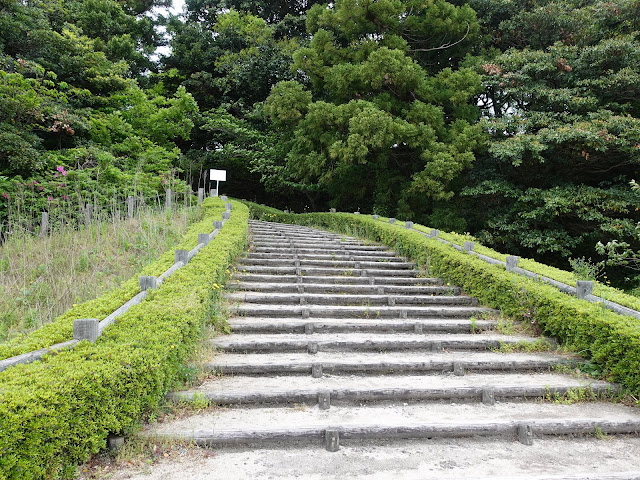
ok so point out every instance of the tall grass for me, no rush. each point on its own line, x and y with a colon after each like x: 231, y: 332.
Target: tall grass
x: 42, y: 277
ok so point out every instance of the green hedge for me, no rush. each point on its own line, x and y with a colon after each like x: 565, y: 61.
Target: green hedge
x: 54, y: 413
x: 61, y: 329
x: 610, y: 340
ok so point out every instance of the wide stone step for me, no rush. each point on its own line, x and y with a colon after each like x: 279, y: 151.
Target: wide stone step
x: 376, y: 363
x: 355, y: 389
x: 350, y: 311
x: 347, y: 299
x: 342, y: 288
x: 342, y: 264
x: 344, y: 342
x: 339, y: 256
x: 524, y: 422
x: 336, y: 279
x: 286, y: 250
x: 318, y: 245
x: 330, y: 271
x: 329, y: 325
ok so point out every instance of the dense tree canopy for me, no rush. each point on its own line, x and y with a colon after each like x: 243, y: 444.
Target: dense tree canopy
x: 517, y: 121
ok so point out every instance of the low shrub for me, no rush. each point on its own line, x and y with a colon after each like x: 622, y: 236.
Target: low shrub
x: 54, y: 413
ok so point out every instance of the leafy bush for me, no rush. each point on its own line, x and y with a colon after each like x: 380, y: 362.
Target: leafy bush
x: 54, y: 413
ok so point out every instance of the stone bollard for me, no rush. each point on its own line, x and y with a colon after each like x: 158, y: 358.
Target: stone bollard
x: 224, y: 198
x: 44, y: 224
x: 182, y: 256
x: 525, y: 434
x: 434, y: 233
x: 200, y: 196
x: 468, y: 246
x: 392, y: 221
x: 226, y: 215
x: 512, y: 262
x: 88, y: 212
x: 148, y: 283
x: 408, y: 225
x: 203, y: 238
x: 130, y: 204
x: 356, y: 213
x: 375, y: 217
x: 217, y: 224
x: 86, y: 329
x: 229, y: 206
x: 332, y: 210
x: 168, y: 198
x: 583, y: 288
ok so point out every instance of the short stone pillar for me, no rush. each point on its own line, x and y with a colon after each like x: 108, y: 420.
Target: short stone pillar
x: 44, y: 224
x: 408, y: 225
x: 88, y: 213
x: 168, y: 198
x: 512, y: 262
x: 148, y: 283
x: 583, y: 288
x: 182, y: 256
x: 200, y: 195
x: 356, y: 213
x: 332, y: 210
x: 375, y: 217
x: 229, y: 206
x: 224, y: 198
x: 217, y: 224
x: 525, y: 434
x: 203, y: 238
x: 226, y: 215
x: 392, y: 221
x: 468, y: 246
x: 332, y: 439
x: 86, y: 329
x: 434, y: 233
x: 130, y: 205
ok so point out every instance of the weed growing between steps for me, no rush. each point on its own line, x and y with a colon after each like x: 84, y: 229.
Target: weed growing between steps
x: 54, y: 413
x: 609, y: 340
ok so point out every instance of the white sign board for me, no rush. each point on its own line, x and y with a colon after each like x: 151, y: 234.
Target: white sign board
x: 218, y: 175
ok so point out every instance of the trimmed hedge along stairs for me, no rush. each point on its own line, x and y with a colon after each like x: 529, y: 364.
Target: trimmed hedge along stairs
x: 54, y: 413
x: 326, y: 327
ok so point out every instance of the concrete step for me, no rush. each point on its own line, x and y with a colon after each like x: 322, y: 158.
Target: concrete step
x: 318, y: 246
x: 357, y: 341
x: 327, y: 288
x: 329, y: 325
x: 342, y: 264
x: 336, y: 426
x: 330, y: 271
x: 350, y: 311
x: 335, y: 279
x: 349, y: 389
x: 339, y: 255
x: 377, y: 363
x: 287, y: 250
x: 266, y: 298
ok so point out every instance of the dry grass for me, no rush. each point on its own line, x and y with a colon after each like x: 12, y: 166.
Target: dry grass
x: 40, y: 278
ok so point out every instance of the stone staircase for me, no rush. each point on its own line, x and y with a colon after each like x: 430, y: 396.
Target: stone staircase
x: 339, y: 343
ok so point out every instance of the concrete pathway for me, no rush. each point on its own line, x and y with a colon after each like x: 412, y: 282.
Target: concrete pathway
x: 345, y: 360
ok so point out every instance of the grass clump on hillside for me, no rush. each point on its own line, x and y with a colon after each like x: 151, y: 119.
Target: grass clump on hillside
x: 42, y: 277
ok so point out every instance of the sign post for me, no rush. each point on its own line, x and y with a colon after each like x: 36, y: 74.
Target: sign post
x: 218, y: 176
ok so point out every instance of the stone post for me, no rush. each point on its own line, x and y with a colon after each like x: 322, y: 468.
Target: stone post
x: 468, y: 246
x: 130, y: 204
x: 148, y: 283
x: 86, y: 329
x: 583, y: 288
x: 44, y: 224
x: 512, y: 262
x: 182, y: 256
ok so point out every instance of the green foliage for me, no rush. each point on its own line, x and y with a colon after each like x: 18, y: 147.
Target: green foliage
x: 54, y: 413
x: 610, y: 341
x: 390, y: 127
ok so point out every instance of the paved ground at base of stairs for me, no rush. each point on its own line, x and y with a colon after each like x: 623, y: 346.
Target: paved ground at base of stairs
x: 447, y: 459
